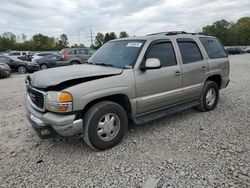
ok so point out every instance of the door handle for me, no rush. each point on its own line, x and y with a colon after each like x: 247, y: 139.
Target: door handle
x: 177, y: 73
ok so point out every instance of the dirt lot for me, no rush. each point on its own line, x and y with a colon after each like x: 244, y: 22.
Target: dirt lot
x: 188, y: 149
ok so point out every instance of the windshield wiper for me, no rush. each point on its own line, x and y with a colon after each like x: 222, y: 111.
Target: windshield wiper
x: 104, y: 64
x: 88, y: 62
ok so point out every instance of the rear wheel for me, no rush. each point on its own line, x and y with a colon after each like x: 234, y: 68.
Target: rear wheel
x: 209, y: 97
x: 74, y: 63
x: 105, y: 125
x: 21, y: 69
x: 43, y: 66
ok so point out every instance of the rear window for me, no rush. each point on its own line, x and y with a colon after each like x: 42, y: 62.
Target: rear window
x: 213, y: 47
x: 190, y: 52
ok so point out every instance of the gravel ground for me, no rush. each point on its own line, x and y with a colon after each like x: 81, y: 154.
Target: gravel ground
x: 188, y: 149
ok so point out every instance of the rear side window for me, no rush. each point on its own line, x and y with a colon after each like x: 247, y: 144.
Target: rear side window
x: 213, y: 47
x: 82, y: 51
x: 163, y: 51
x: 190, y: 52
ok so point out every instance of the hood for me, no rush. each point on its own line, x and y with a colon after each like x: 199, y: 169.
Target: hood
x: 62, y: 77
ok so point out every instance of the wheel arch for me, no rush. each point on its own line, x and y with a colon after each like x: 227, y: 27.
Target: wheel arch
x: 215, y: 78
x: 120, y: 99
x: 75, y: 61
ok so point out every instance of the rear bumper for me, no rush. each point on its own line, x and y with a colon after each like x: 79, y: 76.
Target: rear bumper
x: 49, y: 124
x: 5, y: 73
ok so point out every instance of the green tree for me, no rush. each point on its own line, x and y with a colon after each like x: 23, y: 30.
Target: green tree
x: 109, y: 36
x: 24, y: 37
x: 220, y: 29
x: 123, y: 34
x: 99, y: 40
x: 241, y: 30
x: 43, y: 42
x: 64, y: 39
x: 8, y: 41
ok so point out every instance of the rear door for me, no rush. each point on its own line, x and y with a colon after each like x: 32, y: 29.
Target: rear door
x: 194, y: 67
x: 217, y: 57
x: 158, y: 88
x: 84, y: 55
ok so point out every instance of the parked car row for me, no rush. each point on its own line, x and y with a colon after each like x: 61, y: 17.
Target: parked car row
x: 18, y: 65
x: 4, y: 70
x: 236, y: 50
x: 25, y: 61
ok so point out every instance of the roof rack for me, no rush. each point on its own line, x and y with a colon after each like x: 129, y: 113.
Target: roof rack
x: 176, y: 33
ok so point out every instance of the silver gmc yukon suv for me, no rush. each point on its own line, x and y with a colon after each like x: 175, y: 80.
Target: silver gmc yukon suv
x: 134, y: 80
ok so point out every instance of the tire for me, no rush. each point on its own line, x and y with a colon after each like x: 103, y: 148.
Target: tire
x: 43, y: 66
x: 210, y: 91
x: 22, y: 70
x: 74, y: 63
x: 96, y: 125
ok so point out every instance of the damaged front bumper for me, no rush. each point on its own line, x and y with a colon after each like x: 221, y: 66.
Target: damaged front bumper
x: 50, y: 124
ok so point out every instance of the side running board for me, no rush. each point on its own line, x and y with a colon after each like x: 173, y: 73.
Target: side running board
x: 164, y: 112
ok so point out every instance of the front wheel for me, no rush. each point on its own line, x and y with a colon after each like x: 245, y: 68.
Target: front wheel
x: 22, y: 70
x: 43, y: 66
x: 209, y: 97
x: 105, y: 125
x: 74, y: 63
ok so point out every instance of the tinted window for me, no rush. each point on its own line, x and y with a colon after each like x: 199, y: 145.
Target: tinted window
x: 189, y: 52
x: 213, y: 48
x: 164, y: 52
x: 73, y: 52
x: 82, y: 51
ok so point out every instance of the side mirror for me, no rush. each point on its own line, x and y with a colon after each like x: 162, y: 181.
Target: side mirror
x: 152, y: 63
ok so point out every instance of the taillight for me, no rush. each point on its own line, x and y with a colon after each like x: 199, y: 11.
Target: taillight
x: 65, y: 55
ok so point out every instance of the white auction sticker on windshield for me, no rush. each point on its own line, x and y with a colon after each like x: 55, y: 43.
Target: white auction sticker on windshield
x: 134, y: 44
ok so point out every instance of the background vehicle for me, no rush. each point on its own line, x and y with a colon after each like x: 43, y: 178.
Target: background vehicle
x: 234, y: 51
x: 20, y: 66
x: 138, y: 79
x: 75, y: 55
x: 4, y: 70
x: 48, y: 61
x: 37, y: 56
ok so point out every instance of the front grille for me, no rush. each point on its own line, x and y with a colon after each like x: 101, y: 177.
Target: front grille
x: 36, y: 97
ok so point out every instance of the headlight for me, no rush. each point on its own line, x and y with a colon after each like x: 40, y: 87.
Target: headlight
x: 59, y: 101
x: 4, y: 66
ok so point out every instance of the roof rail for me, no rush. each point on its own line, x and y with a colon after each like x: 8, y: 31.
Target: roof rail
x: 168, y: 33
x: 176, y: 33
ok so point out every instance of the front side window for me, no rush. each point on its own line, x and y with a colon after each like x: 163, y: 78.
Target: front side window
x: 163, y: 51
x: 213, y: 47
x: 121, y: 54
x: 190, y: 52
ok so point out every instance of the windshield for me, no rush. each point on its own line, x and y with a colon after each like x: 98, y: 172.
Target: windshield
x: 121, y: 54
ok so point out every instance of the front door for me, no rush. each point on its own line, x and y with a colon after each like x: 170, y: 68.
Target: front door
x: 158, y: 88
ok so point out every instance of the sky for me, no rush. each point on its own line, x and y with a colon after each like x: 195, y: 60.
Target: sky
x: 137, y: 17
